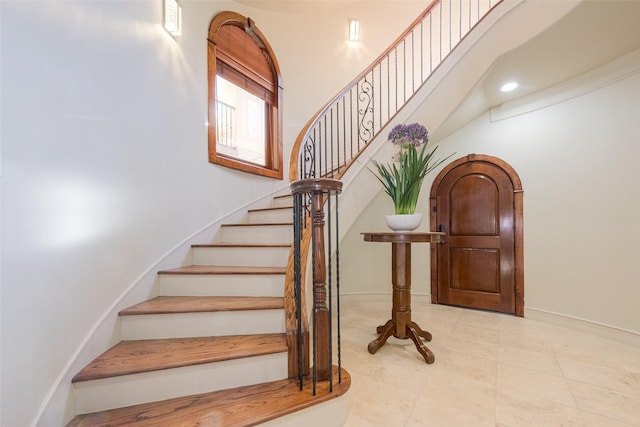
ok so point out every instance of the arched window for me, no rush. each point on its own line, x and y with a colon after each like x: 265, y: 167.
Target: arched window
x: 245, y: 95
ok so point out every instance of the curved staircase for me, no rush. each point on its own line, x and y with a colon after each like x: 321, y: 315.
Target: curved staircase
x: 211, y: 349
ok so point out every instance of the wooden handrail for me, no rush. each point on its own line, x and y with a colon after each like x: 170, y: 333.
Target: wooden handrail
x: 359, y: 86
x: 293, y: 161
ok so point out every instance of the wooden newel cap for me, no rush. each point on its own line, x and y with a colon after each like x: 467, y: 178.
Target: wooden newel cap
x: 316, y: 185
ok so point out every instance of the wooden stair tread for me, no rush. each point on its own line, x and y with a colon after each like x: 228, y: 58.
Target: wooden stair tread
x: 242, y: 245
x: 239, y: 407
x: 200, y: 304
x: 131, y: 357
x: 257, y: 224
x: 277, y: 208
x: 224, y: 269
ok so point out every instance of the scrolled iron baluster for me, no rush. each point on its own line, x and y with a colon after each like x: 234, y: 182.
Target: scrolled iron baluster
x: 365, y: 121
x: 309, y: 159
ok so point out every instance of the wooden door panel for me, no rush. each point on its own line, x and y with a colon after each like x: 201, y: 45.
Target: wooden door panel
x: 473, y: 210
x: 475, y: 270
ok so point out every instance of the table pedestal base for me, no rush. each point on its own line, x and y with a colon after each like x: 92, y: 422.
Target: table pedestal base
x: 400, y: 325
x: 412, y: 330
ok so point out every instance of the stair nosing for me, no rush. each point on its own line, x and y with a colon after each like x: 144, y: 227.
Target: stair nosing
x: 257, y: 224
x: 242, y: 245
x: 270, y: 209
x: 224, y: 270
x: 194, y: 304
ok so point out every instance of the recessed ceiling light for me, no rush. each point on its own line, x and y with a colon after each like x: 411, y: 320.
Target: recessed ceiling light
x: 508, y: 87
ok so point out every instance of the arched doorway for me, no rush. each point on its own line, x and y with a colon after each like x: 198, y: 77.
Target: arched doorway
x: 477, y: 201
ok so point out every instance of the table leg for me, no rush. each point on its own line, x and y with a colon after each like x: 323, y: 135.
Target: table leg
x: 424, y: 334
x: 381, y: 328
x: 422, y: 349
x: 385, y: 333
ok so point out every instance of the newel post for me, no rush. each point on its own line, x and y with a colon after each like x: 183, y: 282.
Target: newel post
x: 312, y: 213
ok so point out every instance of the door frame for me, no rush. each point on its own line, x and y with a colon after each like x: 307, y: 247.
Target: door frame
x: 518, y: 195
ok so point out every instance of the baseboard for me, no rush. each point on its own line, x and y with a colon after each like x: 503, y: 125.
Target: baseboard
x: 613, y: 333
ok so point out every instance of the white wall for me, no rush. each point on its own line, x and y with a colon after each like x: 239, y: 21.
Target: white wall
x: 104, y: 163
x: 577, y: 159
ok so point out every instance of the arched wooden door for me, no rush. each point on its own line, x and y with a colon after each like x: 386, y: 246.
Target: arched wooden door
x: 477, y: 202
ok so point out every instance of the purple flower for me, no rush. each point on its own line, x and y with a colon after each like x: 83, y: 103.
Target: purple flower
x: 413, y: 134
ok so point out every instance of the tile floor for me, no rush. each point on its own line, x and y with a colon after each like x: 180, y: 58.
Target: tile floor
x: 490, y: 370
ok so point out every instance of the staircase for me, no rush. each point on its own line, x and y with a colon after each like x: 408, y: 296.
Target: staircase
x: 211, y: 349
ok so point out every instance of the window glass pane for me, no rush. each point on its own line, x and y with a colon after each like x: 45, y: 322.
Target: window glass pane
x: 240, y: 123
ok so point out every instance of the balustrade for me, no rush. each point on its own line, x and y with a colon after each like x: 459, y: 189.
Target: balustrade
x: 311, y: 212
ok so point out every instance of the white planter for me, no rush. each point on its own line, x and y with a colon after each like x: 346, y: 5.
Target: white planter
x: 406, y: 222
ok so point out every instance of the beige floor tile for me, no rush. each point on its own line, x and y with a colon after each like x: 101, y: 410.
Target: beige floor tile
x: 524, y: 388
x: 595, y: 420
x: 615, y: 379
x: 448, y: 388
x: 560, y: 415
x: 434, y: 412
x: 440, y: 327
x: 380, y: 405
x: 481, y: 319
x: 355, y: 420
x: 478, y: 349
x: 490, y: 370
x: 526, y: 340
x: 578, y: 346
x: 601, y: 401
x: 475, y: 333
x: 522, y: 325
x: 531, y: 360
x: 455, y: 364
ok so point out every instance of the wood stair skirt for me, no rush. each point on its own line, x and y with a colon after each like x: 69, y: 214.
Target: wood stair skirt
x: 211, y: 349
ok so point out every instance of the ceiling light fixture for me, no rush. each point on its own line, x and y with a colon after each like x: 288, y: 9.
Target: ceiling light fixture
x: 508, y: 87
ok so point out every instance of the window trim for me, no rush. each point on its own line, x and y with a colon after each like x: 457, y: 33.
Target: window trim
x: 273, y: 167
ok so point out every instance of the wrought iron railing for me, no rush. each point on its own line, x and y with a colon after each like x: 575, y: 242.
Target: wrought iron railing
x: 332, y: 140
x: 343, y: 128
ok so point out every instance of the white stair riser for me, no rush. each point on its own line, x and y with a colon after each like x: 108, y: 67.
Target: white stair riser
x: 231, y: 256
x: 280, y: 202
x: 257, y: 234
x: 270, y: 216
x: 227, y: 285
x: 179, y: 325
x: 108, y: 393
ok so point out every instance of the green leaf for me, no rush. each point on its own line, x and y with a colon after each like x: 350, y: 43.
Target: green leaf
x: 402, y: 180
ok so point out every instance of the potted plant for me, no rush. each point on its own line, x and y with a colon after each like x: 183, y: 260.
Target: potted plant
x: 402, y: 178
